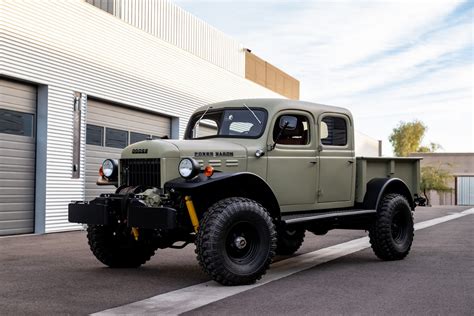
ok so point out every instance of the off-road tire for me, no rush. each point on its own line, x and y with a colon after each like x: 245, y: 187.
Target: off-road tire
x: 119, y: 250
x: 289, y: 241
x: 218, y: 251
x: 391, y: 235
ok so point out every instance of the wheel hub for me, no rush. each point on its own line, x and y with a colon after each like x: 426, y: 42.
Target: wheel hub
x: 240, y: 242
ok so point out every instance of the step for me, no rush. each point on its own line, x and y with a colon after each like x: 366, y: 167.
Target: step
x: 315, y: 215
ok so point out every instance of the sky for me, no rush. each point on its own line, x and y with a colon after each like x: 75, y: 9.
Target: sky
x: 386, y: 61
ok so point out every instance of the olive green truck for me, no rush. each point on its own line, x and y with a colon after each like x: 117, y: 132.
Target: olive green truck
x: 245, y: 184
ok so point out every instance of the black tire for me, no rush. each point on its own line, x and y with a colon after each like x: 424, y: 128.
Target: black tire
x: 289, y: 241
x: 236, y: 241
x: 391, y: 236
x: 115, y: 246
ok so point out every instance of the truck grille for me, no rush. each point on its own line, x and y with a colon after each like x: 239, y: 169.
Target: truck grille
x: 144, y: 172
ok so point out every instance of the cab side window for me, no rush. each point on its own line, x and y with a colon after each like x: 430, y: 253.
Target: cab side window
x: 297, y: 136
x: 333, y: 131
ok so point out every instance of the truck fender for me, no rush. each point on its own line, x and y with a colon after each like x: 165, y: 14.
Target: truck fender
x: 377, y: 188
x: 222, y: 184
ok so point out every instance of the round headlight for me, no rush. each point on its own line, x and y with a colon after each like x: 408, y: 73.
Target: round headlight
x: 188, y: 168
x: 109, y: 168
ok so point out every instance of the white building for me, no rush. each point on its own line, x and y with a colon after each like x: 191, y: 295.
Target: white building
x: 79, y: 80
x: 366, y: 145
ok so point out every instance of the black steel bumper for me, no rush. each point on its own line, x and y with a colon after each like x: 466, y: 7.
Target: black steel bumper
x: 109, y: 209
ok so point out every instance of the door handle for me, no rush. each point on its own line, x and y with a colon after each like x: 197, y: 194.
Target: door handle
x: 313, y: 162
x: 350, y: 161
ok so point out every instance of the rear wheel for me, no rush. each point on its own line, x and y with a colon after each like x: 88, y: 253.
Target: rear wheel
x: 391, y: 236
x: 289, y: 241
x: 236, y: 241
x: 115, y: 246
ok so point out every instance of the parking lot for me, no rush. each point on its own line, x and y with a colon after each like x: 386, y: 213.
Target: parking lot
x: 57, y: 274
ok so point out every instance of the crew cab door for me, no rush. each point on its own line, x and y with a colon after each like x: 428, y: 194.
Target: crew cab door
x: 336, y: 161
x: 292, y: 164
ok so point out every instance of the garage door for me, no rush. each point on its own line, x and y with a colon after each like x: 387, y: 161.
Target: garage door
x: 110, y: 128
x: 17, y: 157
x: 465, y: 190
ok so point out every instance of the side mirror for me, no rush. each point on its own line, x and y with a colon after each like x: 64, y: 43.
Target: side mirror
x: 324, y: 130
x: 288, y: 122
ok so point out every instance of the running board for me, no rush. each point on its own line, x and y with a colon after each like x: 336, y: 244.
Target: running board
x: 307, y: 217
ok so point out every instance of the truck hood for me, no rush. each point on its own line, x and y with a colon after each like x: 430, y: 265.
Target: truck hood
x: 171, y: 148
x: 209, y: 148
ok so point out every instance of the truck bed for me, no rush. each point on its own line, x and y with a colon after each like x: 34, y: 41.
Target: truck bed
x: 367, y: 168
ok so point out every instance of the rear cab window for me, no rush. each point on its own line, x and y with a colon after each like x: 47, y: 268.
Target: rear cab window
x: 333, y: 131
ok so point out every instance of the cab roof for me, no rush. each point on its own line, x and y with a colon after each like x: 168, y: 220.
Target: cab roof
x: 276, y: 105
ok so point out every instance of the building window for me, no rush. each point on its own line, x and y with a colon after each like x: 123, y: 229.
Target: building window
x: 16, y: 123
x: 95, y: 135
x: 137, y: 137
x: 116, y: 138
x: 333, y: 131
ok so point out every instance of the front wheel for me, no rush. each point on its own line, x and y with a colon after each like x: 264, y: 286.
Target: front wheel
x: 236, y: 241
x: 391, y: 236
x: 115, y: 246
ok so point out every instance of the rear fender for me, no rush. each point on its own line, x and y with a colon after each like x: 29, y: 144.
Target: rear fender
x: 377, y: 188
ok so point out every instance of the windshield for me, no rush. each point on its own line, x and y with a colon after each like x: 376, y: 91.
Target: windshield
x: 237, y: 123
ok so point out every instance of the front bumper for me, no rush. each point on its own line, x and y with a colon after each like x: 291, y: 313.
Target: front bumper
x: 109, y: 209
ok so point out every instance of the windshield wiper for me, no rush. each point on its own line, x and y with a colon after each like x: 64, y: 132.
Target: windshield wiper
x: 197, y: 122
x: 259, y: 122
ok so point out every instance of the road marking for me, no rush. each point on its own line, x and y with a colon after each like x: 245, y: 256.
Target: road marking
x: 195, y: 296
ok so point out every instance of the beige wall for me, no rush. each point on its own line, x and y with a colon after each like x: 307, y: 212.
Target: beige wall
x: 269, y: 76
x: 442, y: 198
x: 457, y: 163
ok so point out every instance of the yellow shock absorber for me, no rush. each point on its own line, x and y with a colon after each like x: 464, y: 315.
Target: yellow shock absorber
x: 192, y: 212
x: 135, y: 233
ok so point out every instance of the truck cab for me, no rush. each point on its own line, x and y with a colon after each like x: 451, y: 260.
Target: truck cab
x: 320, y: 145
x: 247, y: 181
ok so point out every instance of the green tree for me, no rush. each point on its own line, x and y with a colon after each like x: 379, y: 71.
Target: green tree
x: 434, y: 178
x: 429, y: 149
x: 406, y: 137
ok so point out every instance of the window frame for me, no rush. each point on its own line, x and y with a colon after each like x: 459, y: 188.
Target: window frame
x: 133, y: 132
x: 102, y: 138
x: 277, y: 122
x: 117, y: 129
x: 33, y: 123
x: 188, y: 132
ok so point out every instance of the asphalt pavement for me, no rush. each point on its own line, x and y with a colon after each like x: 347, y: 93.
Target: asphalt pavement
x: 57, y: 274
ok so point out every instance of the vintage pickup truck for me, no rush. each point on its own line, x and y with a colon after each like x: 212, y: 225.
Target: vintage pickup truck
x: 249, y: 178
